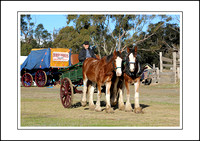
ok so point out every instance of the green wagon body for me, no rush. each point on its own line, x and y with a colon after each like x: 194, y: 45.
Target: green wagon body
x: 74, y: 73
x: 71, y: 78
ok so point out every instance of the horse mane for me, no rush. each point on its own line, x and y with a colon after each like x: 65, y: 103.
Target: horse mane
x: 109, y: 57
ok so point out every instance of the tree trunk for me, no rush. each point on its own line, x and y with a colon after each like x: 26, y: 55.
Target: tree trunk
x: 119, y: 45
x: 99, y: 53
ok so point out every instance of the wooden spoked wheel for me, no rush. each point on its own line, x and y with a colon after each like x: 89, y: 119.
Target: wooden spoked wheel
x: 40, y: 78
x: 27, y: 80
x: 66, y: 92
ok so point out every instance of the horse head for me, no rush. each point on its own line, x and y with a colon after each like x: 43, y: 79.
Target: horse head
x: 117, y: 62
x: 131, y: 58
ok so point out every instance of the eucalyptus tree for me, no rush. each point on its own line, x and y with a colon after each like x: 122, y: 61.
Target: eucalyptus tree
x: 110, y: 32
x: 26, y: 27
x: 42, y: 36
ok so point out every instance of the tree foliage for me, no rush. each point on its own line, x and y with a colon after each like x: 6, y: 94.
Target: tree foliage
x: 33, y: 38
x: 107, y: 33
x: 26, y: 27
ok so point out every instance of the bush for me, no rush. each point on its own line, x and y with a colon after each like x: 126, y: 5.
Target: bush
x: 25, y: 49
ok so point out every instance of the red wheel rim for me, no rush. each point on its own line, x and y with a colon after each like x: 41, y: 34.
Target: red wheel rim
x: 40, y: 78
x: 66, y: 92
x: 27, y: 80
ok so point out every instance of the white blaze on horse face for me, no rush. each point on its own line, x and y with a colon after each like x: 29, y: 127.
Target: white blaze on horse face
x: 131, y: 59
x: 118, y: 65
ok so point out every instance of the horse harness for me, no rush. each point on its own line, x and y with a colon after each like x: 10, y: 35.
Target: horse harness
x: 133, y: 74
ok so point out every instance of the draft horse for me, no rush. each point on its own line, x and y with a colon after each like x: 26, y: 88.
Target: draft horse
x: 100, y: 71
x: 131, y: 74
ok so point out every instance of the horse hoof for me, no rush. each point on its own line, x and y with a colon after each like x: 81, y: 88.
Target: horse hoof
x: 109, y: 110
x: 98, y: 109
x: 138, y: 110
x: 91, y: 107
x: 113, y: 103
x: 128, y: 108
x: 121, y: 108
x: 83, y: 103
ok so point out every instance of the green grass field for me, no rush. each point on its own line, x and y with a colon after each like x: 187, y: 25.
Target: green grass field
x: 41, y: 107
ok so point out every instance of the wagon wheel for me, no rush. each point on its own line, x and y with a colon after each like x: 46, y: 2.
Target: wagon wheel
x: 66, y: 92
x: 40, y: 78
x: 27, y: 80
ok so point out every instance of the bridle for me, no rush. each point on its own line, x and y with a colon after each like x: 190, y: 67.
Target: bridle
x: 131, y: 62
x: 127, y: 70
x: 114, y: 65
x: 127, y: 61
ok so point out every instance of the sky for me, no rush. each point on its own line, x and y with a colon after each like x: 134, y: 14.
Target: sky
x: 59, y: 21
x: 50, y: 21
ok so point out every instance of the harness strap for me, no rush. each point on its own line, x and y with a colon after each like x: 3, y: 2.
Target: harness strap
x: 131, y: 62
x: 116, y: 67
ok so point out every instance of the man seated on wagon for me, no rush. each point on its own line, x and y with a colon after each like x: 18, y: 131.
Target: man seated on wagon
x: 86, y: 52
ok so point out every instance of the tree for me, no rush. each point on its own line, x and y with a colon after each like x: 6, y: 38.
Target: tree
x: 110, y: 32
x: 25, y: 49
x: 92, y: 28
x: 165, y: 40
x: 101, y: 34
x: 68, y: 37
x: 42, y: 36
x: 33, y: 38
x: 38, y: 33
x: 26, y: 27
x: 55, y: 33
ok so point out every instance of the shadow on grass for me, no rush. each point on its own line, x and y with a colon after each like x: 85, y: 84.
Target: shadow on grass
x: 78, y: 104
x: 103, y: 104
x: 133, y: 105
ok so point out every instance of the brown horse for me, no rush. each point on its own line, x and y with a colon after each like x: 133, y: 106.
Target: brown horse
x: 100, y: 71
x: 131, y: 74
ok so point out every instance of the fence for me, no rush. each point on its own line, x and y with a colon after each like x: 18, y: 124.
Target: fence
x: 173, y: 66
x: 169, y: 69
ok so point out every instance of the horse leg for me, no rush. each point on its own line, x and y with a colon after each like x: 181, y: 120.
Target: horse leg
x: 91, y: 93
x: 84, y: 100
x: 108, y: 107
x: 98, y: 106
x: 113, y: 100
x: 128, y: 107
x: 121, y: 101
x: 137, y: 108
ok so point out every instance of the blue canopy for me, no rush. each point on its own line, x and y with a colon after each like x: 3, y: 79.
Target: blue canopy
x: 37, y: 59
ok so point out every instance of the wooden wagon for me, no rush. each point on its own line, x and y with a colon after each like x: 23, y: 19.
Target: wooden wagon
x: 71, y: 78
x: 67, y: 72
x: 42, y: 66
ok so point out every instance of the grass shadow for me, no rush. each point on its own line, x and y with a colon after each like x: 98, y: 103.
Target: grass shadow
x: 103, y: 104
x: 78, y: 104
x: 133, y: 105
